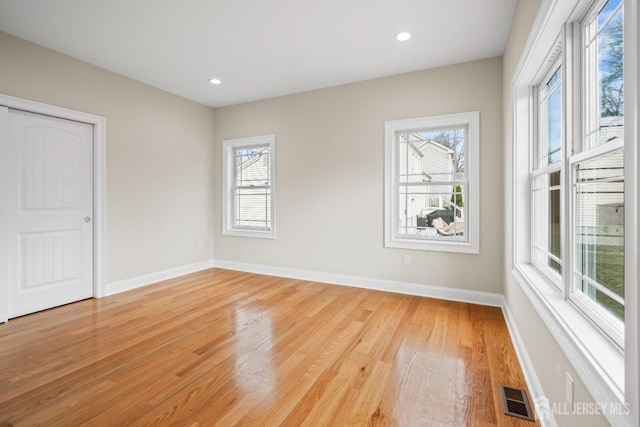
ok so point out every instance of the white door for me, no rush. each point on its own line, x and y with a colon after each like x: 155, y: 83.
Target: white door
x: 49, y: 211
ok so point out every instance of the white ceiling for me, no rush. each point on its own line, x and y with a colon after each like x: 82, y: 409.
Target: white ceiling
x: 261, y: 48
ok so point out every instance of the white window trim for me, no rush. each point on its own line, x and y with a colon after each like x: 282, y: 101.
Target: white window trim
x: 609, y: 375
x: 472, y: 190
x: 228, y: 171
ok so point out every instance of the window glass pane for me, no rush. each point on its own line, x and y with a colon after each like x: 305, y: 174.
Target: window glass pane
x: 252, y: 206
x: 546, y: 237
x: 606, y: 11
x: 600, y: 230
x: 604, y: 75
x: 252, y: 166
x: 610, y: 42
x: 433, y: 155
x: 431, y: 210
x: 411, y: 158
x: 554, y: 220
x: 552, y: 150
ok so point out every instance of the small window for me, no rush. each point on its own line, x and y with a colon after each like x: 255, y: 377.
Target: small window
x: 249, y: 186
x: 431, y: 183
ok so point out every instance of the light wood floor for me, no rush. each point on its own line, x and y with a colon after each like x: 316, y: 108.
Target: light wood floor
x: 226, y: 348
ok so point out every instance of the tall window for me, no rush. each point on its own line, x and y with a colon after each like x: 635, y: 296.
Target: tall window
x: 591, y: 273
x: 249, y: 182
x: 431, y: 179
x: 575, y: 190
x: 597, y: 169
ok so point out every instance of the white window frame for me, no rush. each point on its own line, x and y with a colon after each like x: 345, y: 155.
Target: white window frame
x: 471, y: 241
x: 542, y: 170
x: 583, y: 152
x: 609, y: 373
x: 228, y: 185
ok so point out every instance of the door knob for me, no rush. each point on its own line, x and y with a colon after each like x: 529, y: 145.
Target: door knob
x: 87, y: 219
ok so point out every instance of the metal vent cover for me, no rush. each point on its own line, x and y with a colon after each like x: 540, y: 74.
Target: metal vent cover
x: 515, y: 402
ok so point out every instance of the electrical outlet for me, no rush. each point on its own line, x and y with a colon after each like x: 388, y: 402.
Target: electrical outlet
x: 569, y: 389
x: 406, y: 259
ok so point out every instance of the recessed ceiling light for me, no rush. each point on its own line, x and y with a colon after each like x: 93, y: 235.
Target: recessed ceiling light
x: 215, y: 81
x: 403, y: 37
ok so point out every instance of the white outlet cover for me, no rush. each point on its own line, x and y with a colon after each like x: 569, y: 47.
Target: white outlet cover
x: 569, y: 389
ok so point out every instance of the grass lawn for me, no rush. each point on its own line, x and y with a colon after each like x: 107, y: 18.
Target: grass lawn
x: 610, y: 273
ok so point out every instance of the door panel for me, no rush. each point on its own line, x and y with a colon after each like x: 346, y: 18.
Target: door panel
x: 48, y: 258
x: 50, y: 212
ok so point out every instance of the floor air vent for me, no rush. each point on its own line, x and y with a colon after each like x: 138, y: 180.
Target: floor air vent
x: 515, y: 402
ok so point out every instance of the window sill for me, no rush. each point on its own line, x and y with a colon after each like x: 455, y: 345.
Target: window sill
x: 433, y: 245
x: 598, y: 361
x: 249, y: 233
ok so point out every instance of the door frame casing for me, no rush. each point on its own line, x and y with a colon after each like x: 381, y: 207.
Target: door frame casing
x: 99, y: 124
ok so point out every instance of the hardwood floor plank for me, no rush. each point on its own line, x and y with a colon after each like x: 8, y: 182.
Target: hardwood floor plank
x: 481, y: 402
x: 351, y: 370
x: 228, y: 348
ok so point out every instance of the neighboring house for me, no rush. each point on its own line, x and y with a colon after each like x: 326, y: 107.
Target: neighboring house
x: 601, y: 218
x: 438, y: 163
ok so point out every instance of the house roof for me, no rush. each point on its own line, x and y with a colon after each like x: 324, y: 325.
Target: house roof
x: 430, y: 143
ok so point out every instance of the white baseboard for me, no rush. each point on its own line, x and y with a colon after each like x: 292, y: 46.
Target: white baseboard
x: 148, y: 279
x: 449, y: 294
x: 538, y: 398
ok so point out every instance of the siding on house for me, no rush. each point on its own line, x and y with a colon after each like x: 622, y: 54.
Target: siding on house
x: 600, y: 197
x: 437, y: 163
x: 601, y: 202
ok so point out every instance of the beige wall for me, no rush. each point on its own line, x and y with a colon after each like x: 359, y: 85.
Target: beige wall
x: 548, y: 359
x: 159, y: 156
x: 330, y: 175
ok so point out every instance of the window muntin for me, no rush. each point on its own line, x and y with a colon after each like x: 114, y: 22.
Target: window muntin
x: 249, y: 183
x: 431, y: 181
